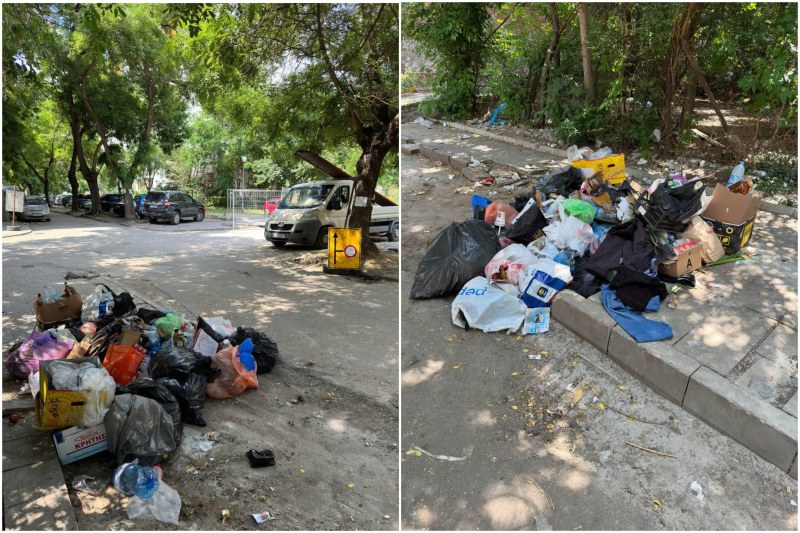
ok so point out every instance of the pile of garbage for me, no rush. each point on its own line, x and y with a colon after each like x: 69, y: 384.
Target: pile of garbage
x: 587, y: 228
x: 108, y: 376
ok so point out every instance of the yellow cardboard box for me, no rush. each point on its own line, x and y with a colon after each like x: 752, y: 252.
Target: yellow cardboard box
x: 57, y: 409
x: 611, y: 167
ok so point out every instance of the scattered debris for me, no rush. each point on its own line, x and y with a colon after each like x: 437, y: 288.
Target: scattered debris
x: 440, y: 457
x: 697, y: 490
x: 657, y: 452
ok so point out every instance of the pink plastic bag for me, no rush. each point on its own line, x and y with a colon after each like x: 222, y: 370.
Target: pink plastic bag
x: 39, y: 346
x: 513, y: 259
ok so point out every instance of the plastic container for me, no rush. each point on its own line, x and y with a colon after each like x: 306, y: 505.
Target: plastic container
x: 246, y: 355
x: 736, y: 175
x: 599, y: 154
x: 134, y: 480
x: 49, y: 294
x: 122, y: 363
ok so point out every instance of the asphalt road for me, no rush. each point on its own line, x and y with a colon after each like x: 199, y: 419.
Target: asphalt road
x: 338, y: 339
x: 541, y: 432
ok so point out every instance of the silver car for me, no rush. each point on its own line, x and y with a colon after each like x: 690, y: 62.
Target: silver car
x: 35, y: 208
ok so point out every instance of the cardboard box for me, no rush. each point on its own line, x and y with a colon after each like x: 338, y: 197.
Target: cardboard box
x: 732, y: 216
x: 129, y: 337
x: 79, y: 350
x: 612, y: 167
x: 63, y: 309
x: 74, y: 444
x: 687, y: 261
x: 56, y: 409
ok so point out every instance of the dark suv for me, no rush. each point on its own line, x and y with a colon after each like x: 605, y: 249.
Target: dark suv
x: 108, y: 201
x: 172, y: 206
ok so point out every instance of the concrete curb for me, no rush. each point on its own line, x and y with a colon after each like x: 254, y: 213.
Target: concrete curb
x: 728, y: 408
x: 20, y: 233
x: 769, y: 207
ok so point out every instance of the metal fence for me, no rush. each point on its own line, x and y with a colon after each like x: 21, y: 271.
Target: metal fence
x: 246, y: 207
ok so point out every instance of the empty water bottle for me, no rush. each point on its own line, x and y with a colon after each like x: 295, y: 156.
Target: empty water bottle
x: 50, y: 294
x: 131, y: 479
x: 736, y: 175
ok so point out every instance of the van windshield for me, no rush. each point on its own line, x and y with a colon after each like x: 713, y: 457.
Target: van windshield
x: 306, y: 196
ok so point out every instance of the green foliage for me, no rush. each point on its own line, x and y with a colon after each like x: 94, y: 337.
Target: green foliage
x: 456, y: 38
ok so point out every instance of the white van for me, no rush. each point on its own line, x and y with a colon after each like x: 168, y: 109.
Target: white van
x: 309, y: 209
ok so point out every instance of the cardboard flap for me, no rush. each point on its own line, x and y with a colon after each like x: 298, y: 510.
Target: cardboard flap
x: 731, y: 207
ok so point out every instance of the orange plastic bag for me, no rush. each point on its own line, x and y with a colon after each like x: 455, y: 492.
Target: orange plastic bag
x: 234, y: 380
x: 122, y: 362
x: 494, y: 208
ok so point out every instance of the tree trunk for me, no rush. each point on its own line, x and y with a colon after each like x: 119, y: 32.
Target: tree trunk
x: 687, y: 109
x: 702, y: 79
x: 89, y: 174
x: 682, y: 28
x: 538, y: 101
x: 588, y: 77
x: 369, y: 168
x: 71, y: 176
x: 101, y: 132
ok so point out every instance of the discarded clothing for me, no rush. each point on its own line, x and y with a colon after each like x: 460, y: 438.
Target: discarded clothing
x: 636, y: 289
x: 687, y: 280
x: 627, y: 244
x: 584, y: 282
x: 634, y: 323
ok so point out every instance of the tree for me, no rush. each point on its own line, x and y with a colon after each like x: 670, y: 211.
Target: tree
x: 324, y: 74
x: 588, y: 77
x: 44, y: 151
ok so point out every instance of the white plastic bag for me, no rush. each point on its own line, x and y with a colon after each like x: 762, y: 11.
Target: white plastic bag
x: 570, y: 233
x: 96, y: 383
x: 164, y: 506
x: 543, y: 281
x: 488, y: 307
x: 515, y: 257
x: 98, y: 305
x: 543, y: 247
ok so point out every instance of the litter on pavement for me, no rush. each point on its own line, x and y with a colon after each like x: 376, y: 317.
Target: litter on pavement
x: 106, y: 376
x: 588, y: 228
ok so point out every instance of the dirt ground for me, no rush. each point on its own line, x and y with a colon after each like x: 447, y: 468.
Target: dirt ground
x: 544, y: 432
x: 332, y: 451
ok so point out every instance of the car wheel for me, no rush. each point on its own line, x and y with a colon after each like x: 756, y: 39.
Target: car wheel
x: 278, y: 244
x: 322, y: 238
x: 394, y: 232
x: 47, y: 220
x: 152, y: 220
x: 200, y: 216
x: 176, y: 218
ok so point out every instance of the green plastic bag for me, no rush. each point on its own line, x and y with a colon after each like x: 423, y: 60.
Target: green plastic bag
x: 167, y: 324
x: 580, y: 209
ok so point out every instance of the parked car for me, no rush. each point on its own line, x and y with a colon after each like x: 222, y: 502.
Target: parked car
x: 108, y: 201
x: 84, y: 201
x: 172, y: 206
x: 119, y: 208
x: 35, y: 208
x: 270, y: 205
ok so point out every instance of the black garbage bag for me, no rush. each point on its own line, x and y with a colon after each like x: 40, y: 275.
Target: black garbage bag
x: 668, y: 207
x: 528, y: 226
x: 562, y: 183
x: 520, y: 202
x: 159, y: 392
x: 149, y: 315
x: 265, y: 350
x: 191, y: 394
x: 458, y: 254
x: 584, y: 282
x: 172, y: 362
x: 138, y: 428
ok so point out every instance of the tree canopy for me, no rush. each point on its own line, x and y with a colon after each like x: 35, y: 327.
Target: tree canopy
x: 209, y: 96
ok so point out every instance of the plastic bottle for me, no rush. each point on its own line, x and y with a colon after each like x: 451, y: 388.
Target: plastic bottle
x: 178, y: 340
x: 131, y: 479
x: 573, y: 154
x: 737, y: 174
x: 50, y: 294
x: 599, y: 154
x: 246, y: 355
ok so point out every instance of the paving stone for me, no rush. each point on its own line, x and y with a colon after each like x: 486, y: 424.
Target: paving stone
x: 584, y: 317
x: 746, y: 418
x: 791, y: 406
x: 52, y: 512
x: 476, y: 175
x: 434, y: 154
x: 768, y: 379
x: 723, y: 339
x: 31, y: 482
x: 780, y: 346
x: 27, y: 450
x: 409, y: 149
x: 793, y: 469
x: 18, y: 406
x: 657, y: 364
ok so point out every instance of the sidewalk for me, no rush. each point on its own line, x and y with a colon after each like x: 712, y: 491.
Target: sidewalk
x: 732, y: 361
